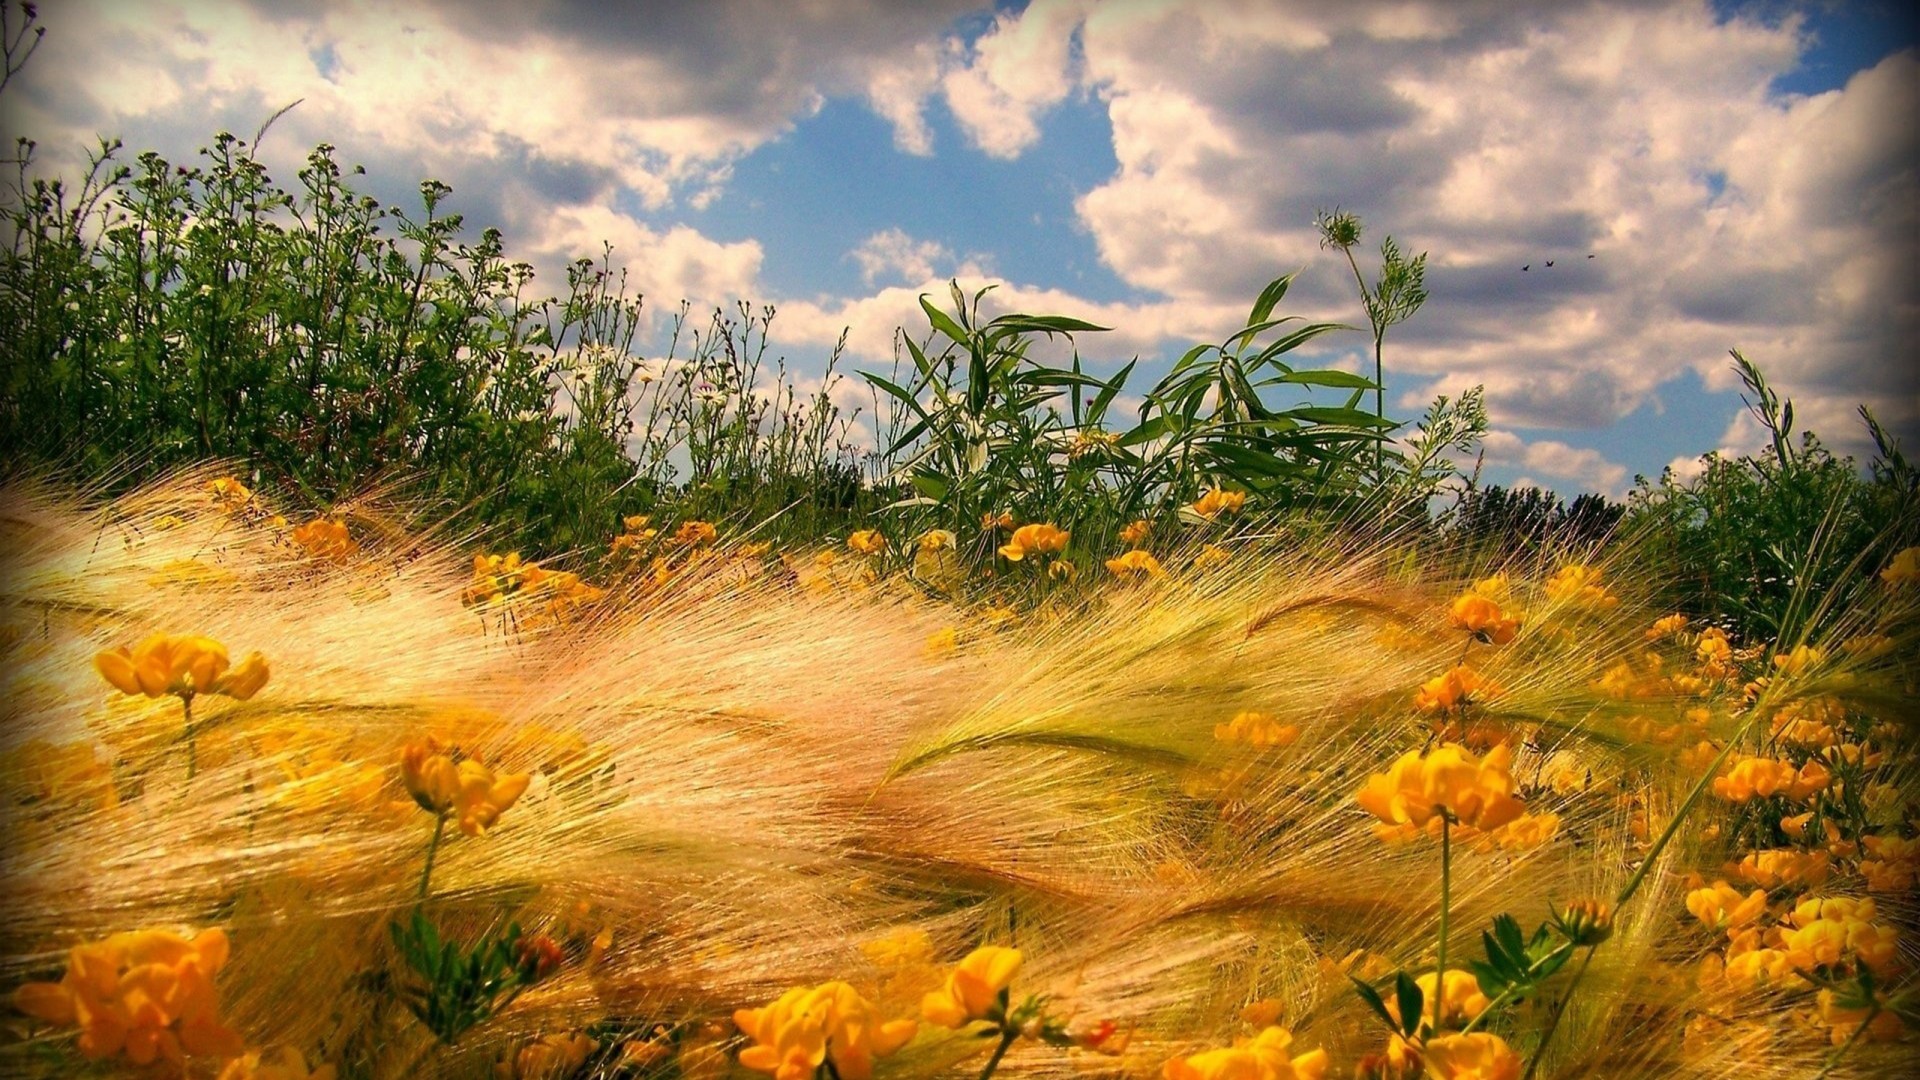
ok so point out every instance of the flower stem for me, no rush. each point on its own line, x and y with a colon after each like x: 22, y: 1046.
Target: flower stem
x: 1446, y: 900
x: 186, y: 708
x: 433, y: 848
x: 1553, y: 1024
x: 1007, y: 1035
x: 1848, y: 1045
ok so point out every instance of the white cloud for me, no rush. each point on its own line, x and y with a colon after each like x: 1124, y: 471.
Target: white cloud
x: 1013, y: 72
x: 892, y: 253
x: 1587, y: 469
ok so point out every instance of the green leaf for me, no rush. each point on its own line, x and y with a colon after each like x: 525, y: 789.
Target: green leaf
x: 1044, y: 324
x: 1411, y: 1001
x: 933, y: 487
x: 1372, y: 997
x: 1269, y: 299
x: 942, y: 322
x: 1345, y: 380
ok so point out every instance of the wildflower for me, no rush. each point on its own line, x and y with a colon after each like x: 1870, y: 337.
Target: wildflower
x: 1904, y: 569
x: 1062, y: 570
x: 1843, y: 1018
x: 1666, y: 627
x: 974, y: 989
x: 229, y: 495
x: 1721, y: 907
x: 1136, y: 531
x: 1585, y: 922
x: 1041, y: 539
x: 549, y: 1057
x: 467, y: 790
x: 867, y: 542
x: 1215, y: 501
x: 1777, y: 867
x: 1136, y: 562
x: 1448, y: 781
x: 1494, y: 587
x: 1477, y: 1056
x: 1894, y: 863
x: 1462, y: 1004
x: 495, y: 577
x: 991, y: 521
x: 1263, y: 1057
x: 695, y: 533
x: 1580, y: 586
x: 326, y: 539
x: 538, y: 956
x: 1256, y: 729
x: 1762, y: 777
x: 1482, y: 618
x: 1211, y: 556
x: 1801, y: 660
x: 182, y: 665
x: 1453, y: 689
x: 290, y: 1065
x: 807, y: 1026
x: 148, y: 995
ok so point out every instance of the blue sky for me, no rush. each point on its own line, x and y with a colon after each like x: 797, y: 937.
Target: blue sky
x: 1742, y: 172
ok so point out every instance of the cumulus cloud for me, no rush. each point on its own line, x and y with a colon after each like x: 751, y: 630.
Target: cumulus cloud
x: 892, y: 253
x: 1577, y: 468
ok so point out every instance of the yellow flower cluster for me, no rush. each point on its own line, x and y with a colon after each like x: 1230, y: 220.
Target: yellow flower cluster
x: 182, y: 665
x: 289, y: 1065
x: 1904, y: 569
x: 468, y: 791
x: 1454, y: 689
x: 502, y: 579
x: 325, y: 539
x: 1264, y: 1057
x: 1448, y: 780
x: 148, y: 995
x: 1482, y: 618
x: 1216, y: 501
x: 808, y: 1026
x: 1038, y: 539
x: 867, y: 542
x: 972, y: 990
x: 1136, y: 563
x: 1582, y: 586
x: 1759, y: 778
x: 1256, y: 729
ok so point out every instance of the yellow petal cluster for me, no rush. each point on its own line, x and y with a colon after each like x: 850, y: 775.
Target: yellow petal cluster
x: 324, y: 538
x: 1256, y: 729
x: 1448, y: 779
x: 1581, y: 586
x: 973, y: 988
x: 467, y: 789
x: 809, y: 1025
x: 1759, y: 778
x: 1463, y: 1003
x: 1477, y: 1056
x: 148, y: 995
x: 1215, y: 501
x: 1136, y: 531
x: 1721, y: 907
x: 1263, y: 1057
x: 867, y: 542
x: 1904, y: 569
x: 1482, y: 618
x: 182, y: 665
x: 1034, y: 539
x: 1456, y: 688
x: 695, y: 533
x: 1138, y: 562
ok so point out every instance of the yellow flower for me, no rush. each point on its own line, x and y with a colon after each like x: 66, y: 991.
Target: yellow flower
x: 1904, y: 569
x: 468, y: 790
x: 1215, y: 501
x: 1062, y: 570
x: 1454, y: 689
x: 1136, y: 531
x: 1039, y: 538
x: 148, y: 995
x: 325, y: 539
x: 1482, y: 618
x: 1264, y: 1057
x: 1135, y: 562
x: 1478, y: 1056
x: 1450, y: 780
x: 990, y: 521
x: 182, y: 665
x: 695, y: 533
x: 1762, y: 777
x: 290, y: 1065
x: 1585, y: 922
x: 1843, y: 1021
x: 973, y: 989
x: 1801, y: 660
x: 1211, y: 556
x: 1256, y: 729
x: 807, y: 1026
x: 1580, y: 586
x: 1463, y: 1003
x: 549, y: 1057
x: 1776, y: 867
x: 228, y: 494
x: 1721, y: 907
x: 867, y: 542
x: 1666, y: 627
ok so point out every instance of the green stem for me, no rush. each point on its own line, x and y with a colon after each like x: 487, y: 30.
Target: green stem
x: 433, y: 848
x: 1446, y: 901
x: 1515, y: 990
x: 1553, y: 1024
x: 1007, y: 1035
x: 1848, y: 1045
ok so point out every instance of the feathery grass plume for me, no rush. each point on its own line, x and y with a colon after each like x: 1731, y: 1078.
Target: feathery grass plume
x: 743, y: 780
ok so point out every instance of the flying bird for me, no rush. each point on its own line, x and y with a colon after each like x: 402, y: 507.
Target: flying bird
x: 1526, y: 268
x: 1549, y: 262
x: 1589, y: 256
